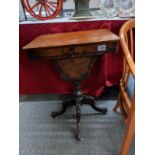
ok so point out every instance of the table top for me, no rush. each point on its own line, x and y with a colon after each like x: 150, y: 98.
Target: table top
x: 72, y: 38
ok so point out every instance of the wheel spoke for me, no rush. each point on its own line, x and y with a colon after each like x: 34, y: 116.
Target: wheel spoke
x: 50, y: 8
x: 40, y: 11
x: 47, y: 9
x: 51, y: 4
x: 35, y: 5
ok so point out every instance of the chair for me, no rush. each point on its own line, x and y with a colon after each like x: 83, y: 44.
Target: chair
x: 126, y: 99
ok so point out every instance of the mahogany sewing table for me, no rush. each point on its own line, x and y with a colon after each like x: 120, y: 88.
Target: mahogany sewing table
x: 74, y: 54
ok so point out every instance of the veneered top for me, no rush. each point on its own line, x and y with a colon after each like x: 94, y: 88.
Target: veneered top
x: 72, y: 38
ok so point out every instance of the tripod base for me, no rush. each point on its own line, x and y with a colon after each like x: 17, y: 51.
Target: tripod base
x: 78, y: 101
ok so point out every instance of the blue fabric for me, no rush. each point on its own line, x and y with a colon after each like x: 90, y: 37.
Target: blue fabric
x: 130, y: 86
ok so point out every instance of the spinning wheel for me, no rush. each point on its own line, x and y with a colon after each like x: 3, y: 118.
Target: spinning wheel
x: 43, y: 9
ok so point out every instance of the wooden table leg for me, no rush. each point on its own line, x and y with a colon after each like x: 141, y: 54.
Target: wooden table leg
x: 91, y: 101
x: 65, y: 105
x: 78, y: 116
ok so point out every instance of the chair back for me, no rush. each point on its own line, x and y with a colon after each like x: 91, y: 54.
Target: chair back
x: 127, y: 83
x: 126, y: 99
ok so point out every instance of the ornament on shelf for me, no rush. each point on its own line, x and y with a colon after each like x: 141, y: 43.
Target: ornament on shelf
x: 82, y: 8
x: 43, y: 9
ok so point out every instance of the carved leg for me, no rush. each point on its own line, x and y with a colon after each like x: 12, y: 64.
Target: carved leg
x: 78, y: 115
x: 65, y: 105
x: 91, y: 101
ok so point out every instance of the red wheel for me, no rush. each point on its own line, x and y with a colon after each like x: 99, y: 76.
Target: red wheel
x: 43, y: 9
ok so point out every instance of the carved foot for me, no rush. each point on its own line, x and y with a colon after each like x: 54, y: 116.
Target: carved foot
x: 91, y: 101
x: 102, y: 110
x: 58, y: 113
x: 65, y: 105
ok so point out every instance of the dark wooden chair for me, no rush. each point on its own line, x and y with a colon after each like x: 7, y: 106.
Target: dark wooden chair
x: 126, y: 99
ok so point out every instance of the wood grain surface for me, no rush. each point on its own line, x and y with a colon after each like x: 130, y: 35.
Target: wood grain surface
x: 72, y: 38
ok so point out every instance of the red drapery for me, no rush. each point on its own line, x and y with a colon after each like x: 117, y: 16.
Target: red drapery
x: 40, y: 77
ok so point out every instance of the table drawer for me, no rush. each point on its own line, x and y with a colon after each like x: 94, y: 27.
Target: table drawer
x: 73, y: 51
x: 79, y: 50
x: 45, y: 53
x: 107, y: 47
x: 90, y: 49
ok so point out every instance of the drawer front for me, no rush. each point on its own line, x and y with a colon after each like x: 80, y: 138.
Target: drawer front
x: 112, y: 46
x: 99, y: 48
x: 107, y: 47
x: 74, y: 51
x: 45, y: 53
x: 79, y: 50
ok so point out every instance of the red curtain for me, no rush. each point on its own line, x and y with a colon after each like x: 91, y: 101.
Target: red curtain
x: 40, y: 77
